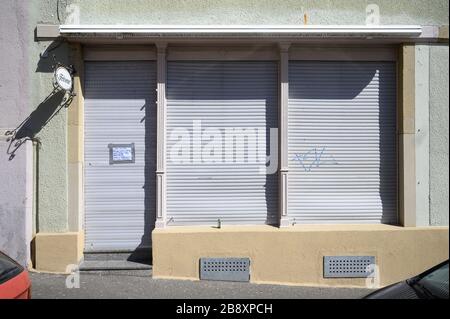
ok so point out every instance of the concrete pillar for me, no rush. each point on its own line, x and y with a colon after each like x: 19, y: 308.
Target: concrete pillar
x: 161, y: 61
x: 75, y: 144
x: 406, y: 135
x: 422, y: 134
x: 283, y: 135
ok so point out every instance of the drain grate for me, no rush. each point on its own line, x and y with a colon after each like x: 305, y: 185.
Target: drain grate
x: 348, y: 266
x: 225, y: 269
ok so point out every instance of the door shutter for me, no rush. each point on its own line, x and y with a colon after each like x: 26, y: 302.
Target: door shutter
x: 342, y: 142
x: 119, y: 198
x: 220, y: 96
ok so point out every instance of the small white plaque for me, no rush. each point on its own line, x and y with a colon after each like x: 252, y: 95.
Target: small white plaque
x: 121, y: 153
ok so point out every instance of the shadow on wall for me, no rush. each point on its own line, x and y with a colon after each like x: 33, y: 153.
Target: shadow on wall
x: 28, y: 129
x: 33, y: 124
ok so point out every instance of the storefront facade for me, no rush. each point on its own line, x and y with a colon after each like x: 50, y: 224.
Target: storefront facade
x: 283, y: 144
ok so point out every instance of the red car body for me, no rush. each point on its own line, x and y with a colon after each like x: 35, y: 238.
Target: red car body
x: 14, y: 280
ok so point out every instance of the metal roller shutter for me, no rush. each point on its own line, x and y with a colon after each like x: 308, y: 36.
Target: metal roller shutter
x: 119, y: 198
x: 222, y: 95
x: 342, y: 142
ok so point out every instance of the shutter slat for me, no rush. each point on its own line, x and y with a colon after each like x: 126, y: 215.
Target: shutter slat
x: 119, y: 109
x: 222, y: 95
x: 341, y: 140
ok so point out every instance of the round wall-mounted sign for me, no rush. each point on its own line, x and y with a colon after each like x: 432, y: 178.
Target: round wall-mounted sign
x: 63, y: 78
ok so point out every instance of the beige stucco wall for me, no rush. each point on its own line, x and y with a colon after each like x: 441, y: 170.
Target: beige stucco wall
x: 294, y: 255
x: 56, y: 251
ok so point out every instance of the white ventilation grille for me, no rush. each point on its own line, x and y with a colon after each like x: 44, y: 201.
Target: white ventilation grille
x: 349, y: 266
x: 226, y: 269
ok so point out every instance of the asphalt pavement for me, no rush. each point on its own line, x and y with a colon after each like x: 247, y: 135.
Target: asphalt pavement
x: 140, y: 284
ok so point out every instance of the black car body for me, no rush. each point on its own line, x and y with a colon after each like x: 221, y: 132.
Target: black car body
x: 431, y: 284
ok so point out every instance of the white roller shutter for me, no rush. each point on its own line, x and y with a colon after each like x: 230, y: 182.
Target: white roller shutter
x: 342, y: 142
x: 119, y: 198
x: 220, y: 95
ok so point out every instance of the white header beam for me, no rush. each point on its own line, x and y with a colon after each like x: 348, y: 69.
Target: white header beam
x: 240, y: 30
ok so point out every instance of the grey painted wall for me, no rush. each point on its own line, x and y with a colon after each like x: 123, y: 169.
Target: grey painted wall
x: 25, y: 82
x: 439, y: 135
x: 15, y: 174
x: 51, y: 190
